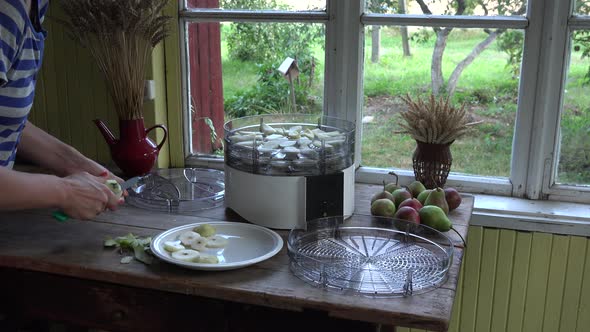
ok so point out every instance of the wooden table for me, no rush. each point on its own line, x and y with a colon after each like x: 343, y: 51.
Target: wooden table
x: 60, y: 271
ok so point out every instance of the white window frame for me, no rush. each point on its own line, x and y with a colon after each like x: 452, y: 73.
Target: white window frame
x: 543, y: 72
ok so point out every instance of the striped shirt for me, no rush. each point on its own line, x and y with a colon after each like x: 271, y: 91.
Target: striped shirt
x: 21, y: 50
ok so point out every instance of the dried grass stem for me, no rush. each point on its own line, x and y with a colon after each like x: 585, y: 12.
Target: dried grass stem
x: 434, y: 120
x: 120, y: 36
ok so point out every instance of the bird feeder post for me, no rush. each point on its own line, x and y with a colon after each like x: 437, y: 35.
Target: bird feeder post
x: 290, y: 72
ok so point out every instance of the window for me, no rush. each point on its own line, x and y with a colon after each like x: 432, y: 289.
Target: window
x: 525, y: 82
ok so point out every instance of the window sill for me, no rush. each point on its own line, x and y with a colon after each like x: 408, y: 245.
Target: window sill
x: 531, y: 215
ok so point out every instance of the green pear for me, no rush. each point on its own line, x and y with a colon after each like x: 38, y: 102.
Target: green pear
x: 383, y: 207
x: 423, y: 195
x: 437, y: 197
x: 416, y: 188
x: 435, y: 217
x: 391, y: 187
x: 382, y: 194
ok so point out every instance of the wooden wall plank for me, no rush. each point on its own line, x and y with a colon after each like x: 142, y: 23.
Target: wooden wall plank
x: 173, y: 88
x: 456, y: 314
x: 583, y: 322
x: 471, y: 281
x: 519, y: 281
x: 537, y: 282
x: 573, y: 283
x: 84, y: 93
x: 487, y: 273
x: 506, y: 247
x: 555, y: 283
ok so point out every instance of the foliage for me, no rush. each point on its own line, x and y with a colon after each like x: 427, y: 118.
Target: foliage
x: 422, y: 36
x: 269, y: 42
x: 574, y: 159
x: 140, y: 246
x: 268, y: 45
x: 511, y: 42
x: 271, y: 92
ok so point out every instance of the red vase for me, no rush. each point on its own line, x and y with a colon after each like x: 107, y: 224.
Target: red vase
x: 134, y: 153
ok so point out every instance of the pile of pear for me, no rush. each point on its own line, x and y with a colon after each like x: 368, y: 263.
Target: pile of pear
x: 417, y: 204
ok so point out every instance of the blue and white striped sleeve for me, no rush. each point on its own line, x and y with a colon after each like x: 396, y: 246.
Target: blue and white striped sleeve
x: 12, y: 24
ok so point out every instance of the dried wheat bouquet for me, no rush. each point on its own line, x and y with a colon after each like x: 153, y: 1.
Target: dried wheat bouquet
x: 120, y: 35
x: 434, y: 120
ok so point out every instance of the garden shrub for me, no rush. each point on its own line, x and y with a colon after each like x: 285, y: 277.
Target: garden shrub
x: 271, y: 93
x: 268, y: 45
x: 575, y: 146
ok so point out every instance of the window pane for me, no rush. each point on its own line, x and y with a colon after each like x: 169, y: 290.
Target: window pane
x: 300, y: 5
x: 233, y: 72
x: 582, y: 7
x: 574, y: 157
x: 448, y: 7
x: 488, y: 88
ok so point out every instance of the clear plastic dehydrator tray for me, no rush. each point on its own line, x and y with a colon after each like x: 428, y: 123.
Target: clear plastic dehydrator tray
x: 289, y: 144
x: 178, y: 190
x: 369, y: 255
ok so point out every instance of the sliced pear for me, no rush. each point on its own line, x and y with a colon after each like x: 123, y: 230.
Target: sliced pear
x: 216, y: 241
x: 186, y: 255
x: 205, y: 230
x: 188, y: 237
x: 207, y: 259
x: 172, y: 246
x: 199, y: 244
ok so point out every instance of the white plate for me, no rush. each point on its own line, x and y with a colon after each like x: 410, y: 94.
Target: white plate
x: 247, y: 244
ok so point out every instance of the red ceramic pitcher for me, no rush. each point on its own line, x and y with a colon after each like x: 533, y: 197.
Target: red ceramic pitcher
x: 133, y: 152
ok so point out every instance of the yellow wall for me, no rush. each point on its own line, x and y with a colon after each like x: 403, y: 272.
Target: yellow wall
x: 522, y: 281
x: 71, y: 92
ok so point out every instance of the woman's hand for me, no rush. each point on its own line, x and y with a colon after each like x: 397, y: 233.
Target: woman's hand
x: 87, y: 195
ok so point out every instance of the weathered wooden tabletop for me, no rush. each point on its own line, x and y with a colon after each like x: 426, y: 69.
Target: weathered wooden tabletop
x: 34, y: 241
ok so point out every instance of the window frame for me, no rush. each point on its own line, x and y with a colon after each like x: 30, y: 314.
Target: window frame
x: 546, y: 47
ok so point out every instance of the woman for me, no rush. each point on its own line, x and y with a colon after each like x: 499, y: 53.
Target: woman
x: 78, y: 186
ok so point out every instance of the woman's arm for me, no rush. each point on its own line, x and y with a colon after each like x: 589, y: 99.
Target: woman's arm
x: 47, y: 151
x: 81, y: 195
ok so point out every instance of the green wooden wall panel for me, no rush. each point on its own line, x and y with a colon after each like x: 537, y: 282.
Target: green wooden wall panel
x: 506, y: 247
x: 555, y: 283
x: 583, y: 322
x: 573, y: 283
x: 519, y: 281
x: 472, y: 261
x: 537, y: 283
x: 173, y: 88
x: 456, y: 314
x: 485, y: 294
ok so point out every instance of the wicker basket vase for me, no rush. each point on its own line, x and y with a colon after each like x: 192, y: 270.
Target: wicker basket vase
x: 432, y: 163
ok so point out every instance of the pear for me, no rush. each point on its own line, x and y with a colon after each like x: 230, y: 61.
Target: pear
x: 382, y: 194
x: 453, y: 198
x: 383, y: 207
x: 416, y: 188
x: 437, y: 197
x: 391, y: 187
x: 400, y: 195
x: 423, y: 195
x: 435, y: 217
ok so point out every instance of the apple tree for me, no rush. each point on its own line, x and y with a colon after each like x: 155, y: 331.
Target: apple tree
x: 464, y: 7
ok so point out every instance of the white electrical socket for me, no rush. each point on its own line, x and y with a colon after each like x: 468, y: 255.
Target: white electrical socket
x: 149, y: 90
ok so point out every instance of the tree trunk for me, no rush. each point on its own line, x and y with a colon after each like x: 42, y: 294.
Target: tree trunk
x: 436, y: 74
x: 404, y: 30
x: 375, y: 43
x: 476, y: 51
